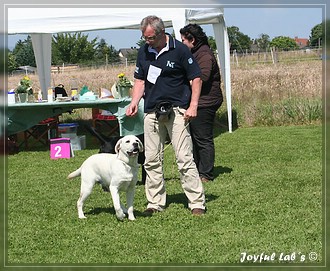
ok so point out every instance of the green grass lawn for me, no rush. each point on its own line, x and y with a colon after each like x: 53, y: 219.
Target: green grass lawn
x: 266, y: 198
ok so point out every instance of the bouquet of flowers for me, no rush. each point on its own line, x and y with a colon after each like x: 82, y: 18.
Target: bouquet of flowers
x: 122, y: 87
x: 123, y: 81
x: 24, y: 86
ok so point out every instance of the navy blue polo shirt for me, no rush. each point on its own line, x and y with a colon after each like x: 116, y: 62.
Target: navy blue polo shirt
x: 167, y: 74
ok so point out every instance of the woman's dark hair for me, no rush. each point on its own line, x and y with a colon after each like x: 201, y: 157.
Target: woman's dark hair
x: 194, y: 31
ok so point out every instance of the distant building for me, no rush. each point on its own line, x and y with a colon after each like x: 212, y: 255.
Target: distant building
x: 302, y: 43
x: 25, y: 70
x: 125, y: 52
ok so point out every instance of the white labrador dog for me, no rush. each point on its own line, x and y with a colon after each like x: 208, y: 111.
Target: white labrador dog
x: 115, y: 172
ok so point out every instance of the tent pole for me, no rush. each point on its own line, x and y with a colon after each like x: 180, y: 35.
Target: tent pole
x: 222, y: 42
x: 42, y: 44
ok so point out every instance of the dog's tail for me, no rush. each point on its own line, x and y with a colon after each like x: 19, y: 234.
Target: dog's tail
x: 74, y: 174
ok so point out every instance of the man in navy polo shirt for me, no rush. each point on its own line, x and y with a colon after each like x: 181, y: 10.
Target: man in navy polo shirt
x: 168, y: 78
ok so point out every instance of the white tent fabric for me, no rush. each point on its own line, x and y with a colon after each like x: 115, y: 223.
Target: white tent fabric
x: 41, y: 23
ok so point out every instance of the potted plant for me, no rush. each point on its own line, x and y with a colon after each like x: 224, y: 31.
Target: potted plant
x: 24, y: 89
x: 123, y: 86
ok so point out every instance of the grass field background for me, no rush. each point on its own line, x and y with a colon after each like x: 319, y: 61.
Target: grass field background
x: 266, y: 198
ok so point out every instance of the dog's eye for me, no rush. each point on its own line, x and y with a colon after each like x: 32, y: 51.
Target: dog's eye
x: 127, y: 141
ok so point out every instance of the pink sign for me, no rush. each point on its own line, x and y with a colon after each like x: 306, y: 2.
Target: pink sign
x: 60, y: 148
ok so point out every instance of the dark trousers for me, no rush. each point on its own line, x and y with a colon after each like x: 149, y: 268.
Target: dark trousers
x: 201, y: 129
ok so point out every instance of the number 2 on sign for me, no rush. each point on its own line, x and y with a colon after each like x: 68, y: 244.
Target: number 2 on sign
x: 58, y: 150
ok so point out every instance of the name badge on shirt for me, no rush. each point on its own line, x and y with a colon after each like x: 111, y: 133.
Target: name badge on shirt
x: 153, y: 74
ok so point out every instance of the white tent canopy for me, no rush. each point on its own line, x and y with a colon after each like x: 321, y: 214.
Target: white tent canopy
x: 41, y: 23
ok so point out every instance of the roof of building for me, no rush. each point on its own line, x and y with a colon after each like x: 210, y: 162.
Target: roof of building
x: 301, y: 42
x: 124, y: 52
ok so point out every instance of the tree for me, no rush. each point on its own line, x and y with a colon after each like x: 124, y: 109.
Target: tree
x: 238, y: 41
x: 141, y: 43
x: 73, y: 48
x: 263, y: 41
x: 3, y: 52
x: 12, y: 64
x: 105, y: 52
x: 102, y: 50
x: 212, y: 43
x: 113, y: 55
x: 19, y: 45
x: 24, y: 53
x: 316, y: 37
x: 284, y: 43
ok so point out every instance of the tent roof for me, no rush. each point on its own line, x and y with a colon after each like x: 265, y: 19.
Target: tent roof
x: 57, y: 20
x: 42, y: 22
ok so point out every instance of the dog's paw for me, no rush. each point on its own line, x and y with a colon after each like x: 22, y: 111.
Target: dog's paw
x: 82, y: 217
x: 124, y: 209
x: 120, y: 215
x: 131, y: 218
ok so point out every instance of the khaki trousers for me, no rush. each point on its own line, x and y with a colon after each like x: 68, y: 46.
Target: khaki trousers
x: 155, y: 133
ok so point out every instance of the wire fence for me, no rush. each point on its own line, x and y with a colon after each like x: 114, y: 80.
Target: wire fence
x: 271, y: 56
x: 274, y: 56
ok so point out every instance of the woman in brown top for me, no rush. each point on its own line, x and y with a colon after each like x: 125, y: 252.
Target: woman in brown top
x: 210, y: 100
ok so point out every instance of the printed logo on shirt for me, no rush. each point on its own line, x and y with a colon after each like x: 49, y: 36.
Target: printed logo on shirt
x: 136, y: 69
x: 190, y: 61
x: 170, y: 64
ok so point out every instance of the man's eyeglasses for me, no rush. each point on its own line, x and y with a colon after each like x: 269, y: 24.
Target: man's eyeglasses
x: 151, y: 38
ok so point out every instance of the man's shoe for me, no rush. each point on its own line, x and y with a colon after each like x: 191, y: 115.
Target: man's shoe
x: 150, y: 211
x: 198, y: 211
x: 204, y: 180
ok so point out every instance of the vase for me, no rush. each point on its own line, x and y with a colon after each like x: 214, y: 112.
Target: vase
x: 22, y: 97
x: 124, y: 91
x: 31, y: 98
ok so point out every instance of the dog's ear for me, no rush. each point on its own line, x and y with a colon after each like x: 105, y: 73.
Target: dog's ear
x: 117, y: 147
x: 141, y: 148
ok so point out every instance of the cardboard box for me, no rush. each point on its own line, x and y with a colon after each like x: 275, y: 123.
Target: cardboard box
x: 88, y: 97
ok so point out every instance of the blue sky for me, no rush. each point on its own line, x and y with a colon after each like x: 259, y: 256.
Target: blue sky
x: 251, y: 21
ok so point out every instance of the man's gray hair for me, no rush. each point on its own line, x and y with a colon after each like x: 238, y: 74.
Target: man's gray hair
x: 155, y: 22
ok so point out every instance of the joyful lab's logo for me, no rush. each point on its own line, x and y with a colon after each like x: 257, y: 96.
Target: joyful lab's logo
x: 281, y: 257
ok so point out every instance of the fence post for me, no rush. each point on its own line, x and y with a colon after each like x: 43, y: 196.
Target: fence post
x: 235, y: 56
x: 274, y: 54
